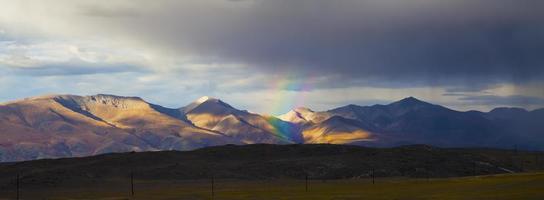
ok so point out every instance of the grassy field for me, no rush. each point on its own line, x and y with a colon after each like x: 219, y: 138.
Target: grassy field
x: 510, y: 186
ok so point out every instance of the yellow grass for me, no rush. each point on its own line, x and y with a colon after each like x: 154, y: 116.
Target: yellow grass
x: 513, y: 186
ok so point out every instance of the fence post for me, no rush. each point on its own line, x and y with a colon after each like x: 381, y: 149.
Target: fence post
x: 306, y: 182
x: 373, y: 177
x: 132, y: 184
x: 213, y: 183
x: 18, y: 185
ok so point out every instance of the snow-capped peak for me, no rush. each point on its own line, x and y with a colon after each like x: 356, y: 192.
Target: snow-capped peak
x: 297, y: 115
x: 202, y: 99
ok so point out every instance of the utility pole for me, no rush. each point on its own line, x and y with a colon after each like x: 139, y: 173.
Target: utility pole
x: 18, y: 194
x: 131, y: 163
x: 213, y: 182
x: 306, y: 182
x: 428, y: 171
x: 373, y: 177
x: 132, y: 184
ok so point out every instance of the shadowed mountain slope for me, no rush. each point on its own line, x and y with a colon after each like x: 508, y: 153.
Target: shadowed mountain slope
x: 412, y: 121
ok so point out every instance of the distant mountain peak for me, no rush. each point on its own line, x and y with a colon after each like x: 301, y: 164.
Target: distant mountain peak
x: 111, y: 96
x: 47, y: 96
x: 206, y: 100
x: 507, y: 113
x: 105, y: 97
x: 77, y: 103
x: 410, y: 102
x: 97, y: 98
x: 509, y: 109
x: 297, y: 115
x: 302, y: 115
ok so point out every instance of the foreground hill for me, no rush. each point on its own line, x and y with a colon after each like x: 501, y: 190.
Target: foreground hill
x: 273, y: 162
x: 71, y: 126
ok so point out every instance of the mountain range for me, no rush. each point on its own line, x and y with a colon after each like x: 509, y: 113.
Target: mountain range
x: 73, y: 126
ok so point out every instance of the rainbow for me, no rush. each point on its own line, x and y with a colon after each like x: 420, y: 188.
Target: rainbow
x: 284, y: 130
x: 289, y: 92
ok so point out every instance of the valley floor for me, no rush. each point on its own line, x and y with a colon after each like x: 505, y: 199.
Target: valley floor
x: 508, y: 186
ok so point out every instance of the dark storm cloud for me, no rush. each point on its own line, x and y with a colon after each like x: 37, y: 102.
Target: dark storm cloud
x: 336, y: 51
x: 514, y: 100
x: 419, y: 42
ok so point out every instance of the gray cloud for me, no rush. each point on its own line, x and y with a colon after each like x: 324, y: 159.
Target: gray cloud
x: 513, y: 100
x: 428, y: 42
x: 74, y: 67
x: 464, y: 46
x: 392, y: 43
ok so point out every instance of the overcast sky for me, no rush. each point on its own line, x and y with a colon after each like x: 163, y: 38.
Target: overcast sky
x: 271, y: 55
